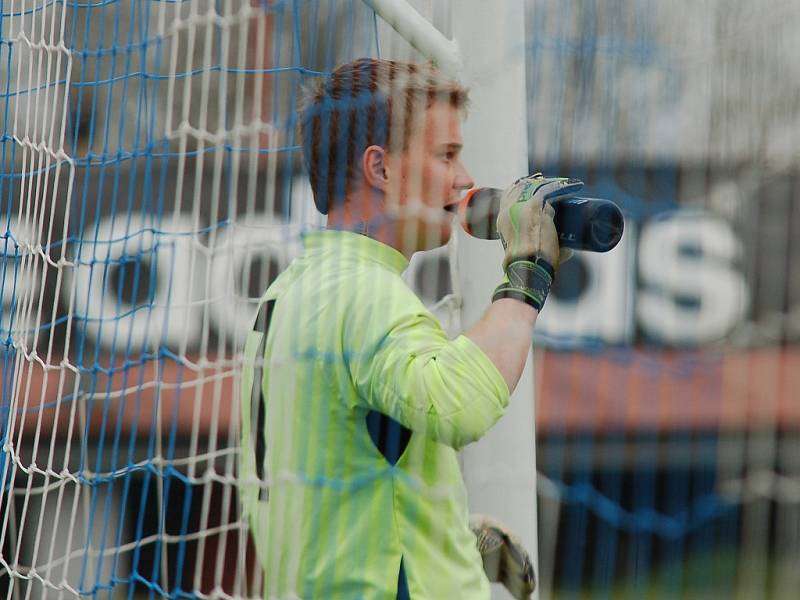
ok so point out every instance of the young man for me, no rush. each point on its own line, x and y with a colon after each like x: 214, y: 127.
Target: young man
x: 365, y: 400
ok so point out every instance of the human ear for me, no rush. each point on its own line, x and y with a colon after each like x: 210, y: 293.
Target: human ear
x: 373, y: 165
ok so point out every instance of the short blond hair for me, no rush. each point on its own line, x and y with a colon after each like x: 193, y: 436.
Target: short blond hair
x: 356, y: 107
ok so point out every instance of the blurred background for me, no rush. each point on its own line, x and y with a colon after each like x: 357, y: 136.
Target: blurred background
x: 151, y: 188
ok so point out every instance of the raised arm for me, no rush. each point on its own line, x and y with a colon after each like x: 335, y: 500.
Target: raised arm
x: 532, y: 255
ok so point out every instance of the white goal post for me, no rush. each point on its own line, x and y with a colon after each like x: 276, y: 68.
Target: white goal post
x: 487, y: 53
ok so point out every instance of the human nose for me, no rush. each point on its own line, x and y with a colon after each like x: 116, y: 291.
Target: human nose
x: 463, y: 179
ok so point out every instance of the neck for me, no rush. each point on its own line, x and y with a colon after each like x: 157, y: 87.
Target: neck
x: 368, y: 219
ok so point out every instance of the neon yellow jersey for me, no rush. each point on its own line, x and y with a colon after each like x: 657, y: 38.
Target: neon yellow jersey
x: 348, y: 336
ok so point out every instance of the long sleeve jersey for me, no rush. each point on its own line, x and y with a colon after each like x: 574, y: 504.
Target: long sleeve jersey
x: 347, y: 336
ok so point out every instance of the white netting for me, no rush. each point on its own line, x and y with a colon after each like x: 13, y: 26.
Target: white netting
x: 149, y: 195
x: 151, y: 188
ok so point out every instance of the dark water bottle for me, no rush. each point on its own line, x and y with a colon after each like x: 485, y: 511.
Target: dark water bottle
x: 588, y: 224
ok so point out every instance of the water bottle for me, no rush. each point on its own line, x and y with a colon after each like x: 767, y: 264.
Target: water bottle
x: 590, y: 224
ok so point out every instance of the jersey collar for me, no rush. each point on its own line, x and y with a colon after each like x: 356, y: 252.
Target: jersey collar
x: 357, y: 245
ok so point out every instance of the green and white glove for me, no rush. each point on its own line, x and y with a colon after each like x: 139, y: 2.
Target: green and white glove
x: 505, y: 559
x: 529, y: 236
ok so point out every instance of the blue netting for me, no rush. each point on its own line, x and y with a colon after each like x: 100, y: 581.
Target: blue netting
x: 641, y: 484
x: 151, y: 179
x: 119, y: 191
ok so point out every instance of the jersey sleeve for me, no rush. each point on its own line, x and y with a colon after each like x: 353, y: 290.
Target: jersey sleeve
x: 403, y: 365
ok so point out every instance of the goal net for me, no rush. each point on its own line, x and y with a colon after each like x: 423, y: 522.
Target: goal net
x: 667, y: 415
x: 149, y: 195
x: 151, y: 188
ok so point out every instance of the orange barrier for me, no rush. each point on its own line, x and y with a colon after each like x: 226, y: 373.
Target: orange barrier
x: 613, y: 389
x: 663, y: 390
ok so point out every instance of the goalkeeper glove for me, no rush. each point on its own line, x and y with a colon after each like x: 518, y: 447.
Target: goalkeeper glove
x: 529, y: 237
x: 505, y: 559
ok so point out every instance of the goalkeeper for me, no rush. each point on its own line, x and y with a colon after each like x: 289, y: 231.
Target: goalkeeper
x: 350, y: 478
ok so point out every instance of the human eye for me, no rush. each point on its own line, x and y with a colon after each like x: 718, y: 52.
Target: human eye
x: 449, y: 152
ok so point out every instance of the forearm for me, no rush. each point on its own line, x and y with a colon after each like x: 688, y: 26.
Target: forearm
x: 532, y: 255
x: 504, y: 333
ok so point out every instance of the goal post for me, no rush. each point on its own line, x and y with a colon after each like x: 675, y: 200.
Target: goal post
x: 500, y: 469
x: 487, y: 53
